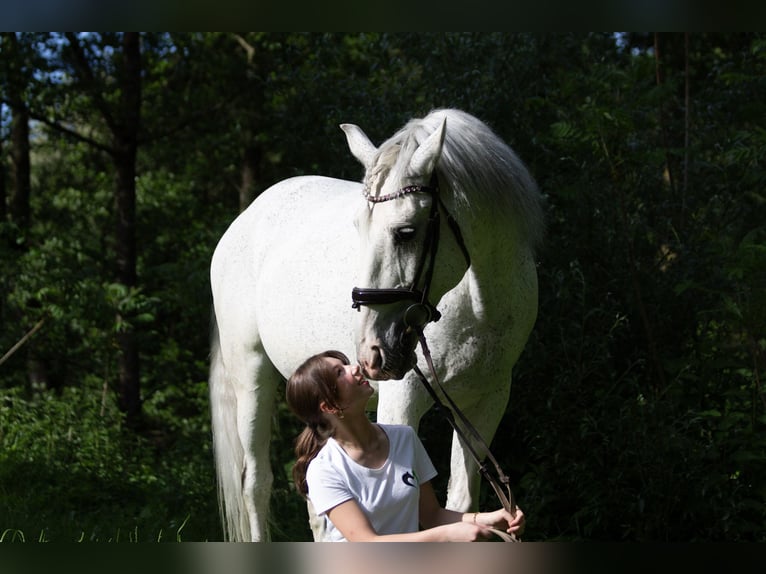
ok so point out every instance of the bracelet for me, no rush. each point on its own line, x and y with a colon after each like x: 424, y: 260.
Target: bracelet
x: 475, y: 514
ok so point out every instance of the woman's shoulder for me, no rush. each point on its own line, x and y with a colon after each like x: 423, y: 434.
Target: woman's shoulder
x: 324, y: 457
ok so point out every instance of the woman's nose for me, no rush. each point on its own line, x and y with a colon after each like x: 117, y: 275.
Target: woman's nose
x: 354, y: 370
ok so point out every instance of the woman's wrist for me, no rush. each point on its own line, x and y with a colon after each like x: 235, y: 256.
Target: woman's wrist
x: 471, y: 517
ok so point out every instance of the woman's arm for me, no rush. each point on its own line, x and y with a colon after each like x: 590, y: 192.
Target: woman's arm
x: 439, y: 524
x: 355, y: 527
x: 432, y: 514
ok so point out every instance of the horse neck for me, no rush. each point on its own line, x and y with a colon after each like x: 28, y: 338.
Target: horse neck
x: 501, y: 264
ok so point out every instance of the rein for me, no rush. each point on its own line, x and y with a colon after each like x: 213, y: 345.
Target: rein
x: 422, y: 312
x: 499, y: 482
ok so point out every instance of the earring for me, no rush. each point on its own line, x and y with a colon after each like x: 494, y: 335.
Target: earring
x: 341, y: 415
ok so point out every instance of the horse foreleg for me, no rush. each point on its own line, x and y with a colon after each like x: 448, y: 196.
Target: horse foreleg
x: 316, y: 523
x: 465, y: 480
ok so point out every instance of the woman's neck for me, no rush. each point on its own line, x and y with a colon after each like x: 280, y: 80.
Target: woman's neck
x: 357, y: 432
x: 363, y: 441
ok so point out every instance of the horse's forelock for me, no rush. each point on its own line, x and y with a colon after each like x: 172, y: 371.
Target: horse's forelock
x: 394, y: 154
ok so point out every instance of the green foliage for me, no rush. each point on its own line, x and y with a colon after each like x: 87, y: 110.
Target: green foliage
x: 638, y: 399
x: 70, y: 471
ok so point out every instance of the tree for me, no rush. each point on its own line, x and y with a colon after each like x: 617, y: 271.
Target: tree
x: 122, y: 118
x: 17, y: 73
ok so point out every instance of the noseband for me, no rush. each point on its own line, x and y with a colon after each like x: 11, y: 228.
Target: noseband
x: 422, y: 311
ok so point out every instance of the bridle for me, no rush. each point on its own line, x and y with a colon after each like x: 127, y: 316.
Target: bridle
x: 422, y: 311
x: 418, y: 315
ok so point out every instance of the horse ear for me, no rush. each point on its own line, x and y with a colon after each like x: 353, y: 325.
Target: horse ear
x: 360, y: 145
x: 425, y: 157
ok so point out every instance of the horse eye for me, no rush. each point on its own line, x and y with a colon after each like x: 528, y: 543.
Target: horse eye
x: 404, y: 234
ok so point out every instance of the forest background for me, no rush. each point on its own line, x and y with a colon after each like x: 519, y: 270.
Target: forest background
x: 636, y: 411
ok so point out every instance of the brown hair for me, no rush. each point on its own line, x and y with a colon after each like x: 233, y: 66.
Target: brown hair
x: 311, y: 383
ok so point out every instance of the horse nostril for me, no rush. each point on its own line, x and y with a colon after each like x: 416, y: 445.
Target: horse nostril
x: 372, y: 361
x: 376, y: 362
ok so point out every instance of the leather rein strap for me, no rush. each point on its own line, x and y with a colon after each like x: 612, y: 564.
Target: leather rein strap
x: 417, y: 316
x: 499, y: 482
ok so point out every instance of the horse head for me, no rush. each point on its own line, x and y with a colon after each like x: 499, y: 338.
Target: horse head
x: 403, y: 264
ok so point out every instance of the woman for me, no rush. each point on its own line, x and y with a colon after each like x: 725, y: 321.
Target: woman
x: 371, y: 482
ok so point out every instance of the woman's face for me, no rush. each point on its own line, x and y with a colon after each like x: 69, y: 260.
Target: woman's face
x: 353, y: 388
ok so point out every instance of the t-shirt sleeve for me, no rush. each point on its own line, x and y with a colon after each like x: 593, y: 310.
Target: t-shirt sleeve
x: 327, y: 489
x: 424, y: 467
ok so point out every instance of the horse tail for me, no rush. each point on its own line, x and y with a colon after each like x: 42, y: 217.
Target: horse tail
x: 227, y: 447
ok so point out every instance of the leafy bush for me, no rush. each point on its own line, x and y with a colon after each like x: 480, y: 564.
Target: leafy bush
x: 69, y: 470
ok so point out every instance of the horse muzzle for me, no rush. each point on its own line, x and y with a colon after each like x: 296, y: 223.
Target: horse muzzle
x: 392, y: 359
x: 379, y: 364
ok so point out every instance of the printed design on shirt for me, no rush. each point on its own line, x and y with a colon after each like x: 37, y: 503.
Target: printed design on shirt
x: 410, y: 478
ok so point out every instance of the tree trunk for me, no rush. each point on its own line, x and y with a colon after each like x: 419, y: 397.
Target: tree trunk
x: 126, y: 147
x: 20, y: 169
x: 21, y: 191
x: 3, y: 192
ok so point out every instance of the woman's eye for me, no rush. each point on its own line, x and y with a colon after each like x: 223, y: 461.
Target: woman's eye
x: 404, y: 234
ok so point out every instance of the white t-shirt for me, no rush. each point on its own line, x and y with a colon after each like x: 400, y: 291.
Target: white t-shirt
x: 388, y: 495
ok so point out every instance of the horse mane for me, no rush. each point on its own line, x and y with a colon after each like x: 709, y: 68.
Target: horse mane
x: 476, y: 168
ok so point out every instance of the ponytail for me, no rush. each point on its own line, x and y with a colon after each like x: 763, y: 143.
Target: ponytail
x: 307, y: 446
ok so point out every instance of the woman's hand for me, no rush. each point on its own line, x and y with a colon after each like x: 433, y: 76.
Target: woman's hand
x: 502, y: 520
x: 479, y: 529
x: 462, y: 532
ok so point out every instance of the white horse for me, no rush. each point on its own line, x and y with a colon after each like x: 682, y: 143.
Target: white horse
x: 282, y: 277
